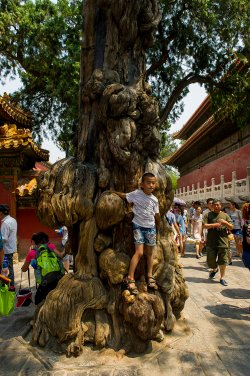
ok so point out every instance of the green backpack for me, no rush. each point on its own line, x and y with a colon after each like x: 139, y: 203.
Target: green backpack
x: 49, y: 266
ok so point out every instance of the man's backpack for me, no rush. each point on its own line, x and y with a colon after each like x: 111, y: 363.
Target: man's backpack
x: 49, y: 266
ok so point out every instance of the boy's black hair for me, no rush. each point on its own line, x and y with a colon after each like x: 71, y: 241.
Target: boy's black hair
x: 149, y: 174
x: 4, y: 208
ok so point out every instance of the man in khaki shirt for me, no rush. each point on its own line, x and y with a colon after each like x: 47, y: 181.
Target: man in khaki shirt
x: 217, y: 224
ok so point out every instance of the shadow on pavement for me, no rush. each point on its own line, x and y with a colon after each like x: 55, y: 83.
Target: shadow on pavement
x: 199, y: 280
x: 201, y: 268
x: 229, y: 311
x: 236, y: 293
x: 17, y: 323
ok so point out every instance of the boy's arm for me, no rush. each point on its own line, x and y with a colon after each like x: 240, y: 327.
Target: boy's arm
x: 157, y: 221
x: 120, y: 194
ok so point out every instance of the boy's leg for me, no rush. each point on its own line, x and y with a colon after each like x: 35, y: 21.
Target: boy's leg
x: 130, y: 279
x: 151, y: 282
x: 135, y: 260
x: 149, y: 254
x: 150, y: 242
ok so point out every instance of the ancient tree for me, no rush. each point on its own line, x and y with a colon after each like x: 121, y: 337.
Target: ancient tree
x: 118, y: 139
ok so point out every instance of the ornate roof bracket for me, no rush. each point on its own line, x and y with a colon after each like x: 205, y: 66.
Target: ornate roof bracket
x: 15, y: 112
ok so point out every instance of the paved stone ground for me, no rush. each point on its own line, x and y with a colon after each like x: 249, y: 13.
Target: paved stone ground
x: 212, y: 337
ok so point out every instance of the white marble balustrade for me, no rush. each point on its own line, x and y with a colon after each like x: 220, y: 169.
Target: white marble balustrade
x: 233, y: 188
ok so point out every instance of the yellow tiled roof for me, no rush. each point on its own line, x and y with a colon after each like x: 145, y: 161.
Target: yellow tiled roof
x: 14, y: 111
x: 13, y: 138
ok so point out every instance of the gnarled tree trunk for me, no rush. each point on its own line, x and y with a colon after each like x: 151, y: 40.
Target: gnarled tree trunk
x: 118, y: 140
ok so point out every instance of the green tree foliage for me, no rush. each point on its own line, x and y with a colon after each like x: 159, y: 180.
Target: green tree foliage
x: 197, y: 42
x: 40, y: 42
x: 168, y: 145
x: 233, y: 98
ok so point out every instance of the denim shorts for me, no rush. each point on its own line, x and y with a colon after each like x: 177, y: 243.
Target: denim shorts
x: 237, y: 232
x: 144, y: 235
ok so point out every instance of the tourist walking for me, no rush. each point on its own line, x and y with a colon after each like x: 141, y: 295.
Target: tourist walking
x: 9, y: 238
x: 209, y: 207
x: 217, y: 223
x: 246, y: 236
x: 182, y: 226
x: 192, y: 209
x: 170, y: 217
x: 197, y: 231
x: 236, y: 217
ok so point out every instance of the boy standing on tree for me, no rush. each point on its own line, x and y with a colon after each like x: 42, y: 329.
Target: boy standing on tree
x: 145, y: 223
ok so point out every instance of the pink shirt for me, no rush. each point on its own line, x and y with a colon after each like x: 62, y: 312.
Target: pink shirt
x: 32, y: 253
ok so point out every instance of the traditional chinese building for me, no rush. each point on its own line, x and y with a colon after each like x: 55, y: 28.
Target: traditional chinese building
x: 214, y: 159
x: 21, y: 161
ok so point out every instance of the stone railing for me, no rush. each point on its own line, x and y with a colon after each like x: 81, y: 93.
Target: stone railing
x: 233, y: 189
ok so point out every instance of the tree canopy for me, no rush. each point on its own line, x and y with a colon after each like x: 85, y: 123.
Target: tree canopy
x: 40, y: 42
x: 197, y: 42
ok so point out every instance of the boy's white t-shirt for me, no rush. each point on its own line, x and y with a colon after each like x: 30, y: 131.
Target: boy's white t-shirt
x: 144, y: 208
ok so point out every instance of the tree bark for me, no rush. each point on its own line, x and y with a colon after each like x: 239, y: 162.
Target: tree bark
x: 118, y: 140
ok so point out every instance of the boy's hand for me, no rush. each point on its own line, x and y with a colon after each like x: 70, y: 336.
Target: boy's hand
x: 120, y: 194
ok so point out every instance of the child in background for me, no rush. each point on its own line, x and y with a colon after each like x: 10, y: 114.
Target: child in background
x: 178, y: 211
x: 63, y: 232
x: 32, y: 252
x: 46, y: 282
x: 236, y: 217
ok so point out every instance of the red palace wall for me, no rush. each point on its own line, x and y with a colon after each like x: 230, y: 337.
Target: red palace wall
x: 5, y: 196
x: 237, y: 161
x: 28, y: 223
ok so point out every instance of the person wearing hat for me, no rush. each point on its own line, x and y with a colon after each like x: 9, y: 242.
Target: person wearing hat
x: 9, y: 235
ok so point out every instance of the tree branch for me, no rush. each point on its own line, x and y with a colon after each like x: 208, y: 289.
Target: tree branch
x: 165, y: 41
x: 186, y: 81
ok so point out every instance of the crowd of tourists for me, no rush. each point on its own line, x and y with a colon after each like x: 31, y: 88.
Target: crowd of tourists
x: 212, y: 229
